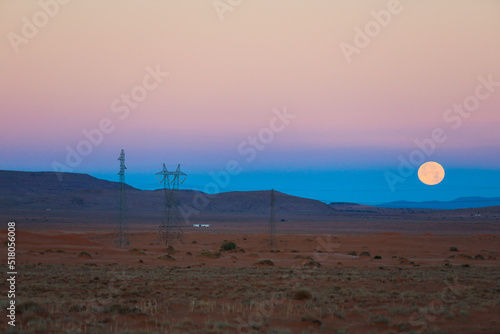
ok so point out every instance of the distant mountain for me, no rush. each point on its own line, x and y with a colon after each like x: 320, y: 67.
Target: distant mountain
x: 41, y: 193
x: 459, y: 203
x: 16, y: 183
x: 39, y: 199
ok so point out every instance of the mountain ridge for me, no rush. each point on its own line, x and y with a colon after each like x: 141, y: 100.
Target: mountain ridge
x: 468, y: 202
x: 39, y: 200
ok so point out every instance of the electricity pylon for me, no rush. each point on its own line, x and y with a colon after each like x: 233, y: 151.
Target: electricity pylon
x: 171, y: 229
x: 272, y: 223
x: 122, y: 238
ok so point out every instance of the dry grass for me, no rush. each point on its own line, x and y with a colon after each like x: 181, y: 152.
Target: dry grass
x: 121, y: 299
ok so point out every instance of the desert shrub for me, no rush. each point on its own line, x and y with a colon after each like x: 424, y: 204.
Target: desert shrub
x: 228, y: 245
x: 265, y: 263
x: 310, y: 318
x: 207, y: 253
x: 312, y: 263
x: 121, y: 309
x: 453, y: 249
x: 77, y: 308
x: 302, y: 295
x: 170, y: 249
x: 478, y: 257
x: 353, y: 253
x: 377, y: 257
x: 166, y: 257
x: 379, y: 319
x: 84, y: 254
x: 31, y: 306
x: 465, y: 256
x: 365, y: 253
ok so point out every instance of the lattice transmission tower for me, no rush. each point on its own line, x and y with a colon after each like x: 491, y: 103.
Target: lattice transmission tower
x: 272, y: 222
x: 171, y: 227
x: 122, y: 237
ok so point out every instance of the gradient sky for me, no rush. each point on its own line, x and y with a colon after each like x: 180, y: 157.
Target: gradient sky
x: 353, y: 120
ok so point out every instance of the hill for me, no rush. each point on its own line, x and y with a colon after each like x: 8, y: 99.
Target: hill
x: 459, y: 203
x: 20, y: 183
x: 39, y: 200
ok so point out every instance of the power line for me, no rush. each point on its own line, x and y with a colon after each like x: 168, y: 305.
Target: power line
x: 122, y: 237
x: 272, y: 222
x: 171, y: 229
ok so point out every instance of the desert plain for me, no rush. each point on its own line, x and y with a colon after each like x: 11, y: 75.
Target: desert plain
x: 77, y: 281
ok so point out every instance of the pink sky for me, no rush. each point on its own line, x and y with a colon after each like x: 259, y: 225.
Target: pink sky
x: 227, y: 76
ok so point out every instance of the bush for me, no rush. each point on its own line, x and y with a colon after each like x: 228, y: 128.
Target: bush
x: 377, y: 257
x: 478, y: 257
x: 207, y: 253
x: 121, y: 309
x: 312, y: 263
x: 166, y: 257
x: 453, y: 249
x: 353, y: 253
x: 84, y: 254
x: 228, y: 245
x: 31, y: 306
x: 265, y: 263
x: 310, y: 318
x: 364, y: 254
x: 170, y: 250
x: 302, y: 295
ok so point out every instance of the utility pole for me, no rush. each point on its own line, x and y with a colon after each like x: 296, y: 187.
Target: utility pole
x: 122, y: 237
x: 171, y: 229
x: 272, y: 222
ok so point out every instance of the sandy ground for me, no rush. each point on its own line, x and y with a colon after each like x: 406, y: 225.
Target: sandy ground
x: 328, y: 250
x: 71, y: 282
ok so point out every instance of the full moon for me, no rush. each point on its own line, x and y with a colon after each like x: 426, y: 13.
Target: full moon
x: 431, y: 173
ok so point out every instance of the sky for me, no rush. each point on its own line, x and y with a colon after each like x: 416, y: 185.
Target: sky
x: 332, y: 100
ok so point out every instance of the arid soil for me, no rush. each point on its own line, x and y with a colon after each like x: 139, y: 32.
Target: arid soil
x: 79, y: 282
